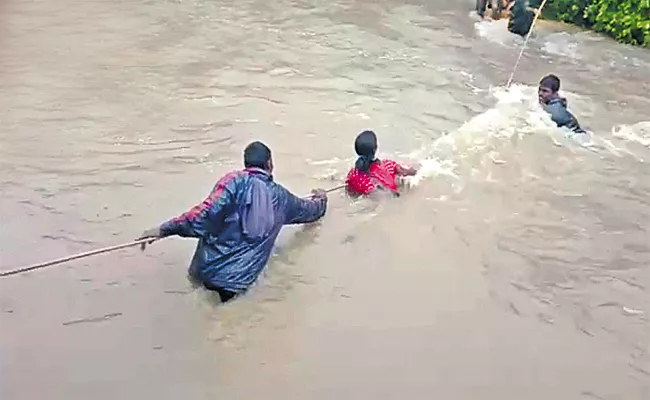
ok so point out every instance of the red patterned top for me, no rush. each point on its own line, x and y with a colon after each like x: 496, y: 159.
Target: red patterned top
x: 383, y: 173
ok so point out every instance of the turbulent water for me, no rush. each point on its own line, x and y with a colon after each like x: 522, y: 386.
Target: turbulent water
x: 516, y: 266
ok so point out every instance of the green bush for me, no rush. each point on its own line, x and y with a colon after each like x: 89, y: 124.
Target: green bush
x: 572, y: 11
x: 627, y: 21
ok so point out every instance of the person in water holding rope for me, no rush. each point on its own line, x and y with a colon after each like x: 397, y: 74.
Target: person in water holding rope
x: 520, y: 15
x: 555, y: 105
x: 238, y: 223
x: 369, y: 173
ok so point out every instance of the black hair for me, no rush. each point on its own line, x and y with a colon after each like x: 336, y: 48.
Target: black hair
x: 257, y: 155
x: 550, y: 81
x: 366, y: 146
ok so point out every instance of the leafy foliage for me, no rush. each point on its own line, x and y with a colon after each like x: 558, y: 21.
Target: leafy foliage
x: 627, y: 21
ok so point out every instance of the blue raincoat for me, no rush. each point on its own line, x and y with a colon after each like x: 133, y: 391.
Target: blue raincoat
x: 557, y: 108
x: 237, y: 225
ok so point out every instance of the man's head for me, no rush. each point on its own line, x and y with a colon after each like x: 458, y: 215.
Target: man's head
x: 258, y: 155
x: 548, y: 88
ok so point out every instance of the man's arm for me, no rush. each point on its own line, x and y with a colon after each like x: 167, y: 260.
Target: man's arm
x: 304, y: 211
x: 193, y: 222
x: 574, y: 125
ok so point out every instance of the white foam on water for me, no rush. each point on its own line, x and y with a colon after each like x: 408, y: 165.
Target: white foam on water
x: 637, y: 133
x: 331, y: 161
x: 497, y: 31
x: 483, y: 139
x: 432, y: 167
x: 562, y: 44
x: 626, y: 137
x: 516, y: 115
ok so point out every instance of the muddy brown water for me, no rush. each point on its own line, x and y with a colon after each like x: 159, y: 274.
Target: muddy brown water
x: 516, y: 269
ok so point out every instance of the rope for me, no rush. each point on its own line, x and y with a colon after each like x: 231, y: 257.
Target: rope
x: 75, y: 257
x: 101, y: 251
x: 521, y: 53
x: 335, y: 188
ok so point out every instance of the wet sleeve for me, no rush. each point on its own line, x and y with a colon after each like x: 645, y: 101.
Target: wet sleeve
x: 193, y: 223
x: 351, y: 182
x: 560, y: 115
x: 574, y: 125
x: 303, y: 211
x: 401, y: 170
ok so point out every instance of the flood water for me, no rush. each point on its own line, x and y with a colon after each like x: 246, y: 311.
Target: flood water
x: 516, y: 267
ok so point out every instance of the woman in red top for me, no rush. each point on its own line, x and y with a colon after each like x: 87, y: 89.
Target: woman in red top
x: 369, y: 173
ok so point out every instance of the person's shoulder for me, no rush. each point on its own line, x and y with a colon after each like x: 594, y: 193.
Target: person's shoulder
x: 234, y: 174
x: 280, y: 191
x: 558, y: 102
x: 357, y: 181
x: 353, y: 179
x: 555, y: 106
x: 231, y: 177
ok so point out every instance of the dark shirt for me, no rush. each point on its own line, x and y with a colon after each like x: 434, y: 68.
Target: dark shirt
x: 557, y: 108
x: 521, y: 18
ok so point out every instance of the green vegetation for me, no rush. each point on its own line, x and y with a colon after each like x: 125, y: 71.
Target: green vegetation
x: 627, y: 21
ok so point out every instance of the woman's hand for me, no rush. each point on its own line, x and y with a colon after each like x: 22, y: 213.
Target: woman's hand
x: 406, y: 171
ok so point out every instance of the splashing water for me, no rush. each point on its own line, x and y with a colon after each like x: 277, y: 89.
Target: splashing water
x: 497, y: 32
x: 637, y: 133
x: 515, y: 115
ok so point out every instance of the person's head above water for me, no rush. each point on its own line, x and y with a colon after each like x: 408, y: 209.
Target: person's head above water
x: 548, y: 88
x: 258, y: 155
x: 366, y: 146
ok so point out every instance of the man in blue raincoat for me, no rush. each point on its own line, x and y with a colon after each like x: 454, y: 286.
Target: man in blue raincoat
x: 555, y: 105
x: 238, y: 223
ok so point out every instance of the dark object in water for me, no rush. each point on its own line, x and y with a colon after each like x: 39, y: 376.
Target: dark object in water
x: 521, y: 18
x: 481, y: 6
